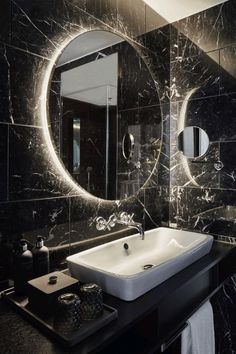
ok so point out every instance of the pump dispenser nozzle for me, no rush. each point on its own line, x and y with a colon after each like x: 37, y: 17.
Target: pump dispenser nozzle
x: 23, y: 245
x: 40, y: 258
x: 39, y: 241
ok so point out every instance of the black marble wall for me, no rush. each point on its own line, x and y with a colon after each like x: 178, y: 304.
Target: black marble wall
x: 224, y: 307
x: 35, y: 198
x: 180, y: 57
x: 203, y: 193
x: 202, y: 69
x: 195, y: 53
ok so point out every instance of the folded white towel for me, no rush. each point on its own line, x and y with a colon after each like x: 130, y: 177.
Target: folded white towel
x: 199, y: 337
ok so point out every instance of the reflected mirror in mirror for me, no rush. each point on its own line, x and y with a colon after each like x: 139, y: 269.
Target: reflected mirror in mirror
x: 103, y: 128
x: 193, y: 142
x: 128, y: 146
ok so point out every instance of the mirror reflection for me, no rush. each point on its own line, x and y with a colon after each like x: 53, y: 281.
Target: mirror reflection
x: 103, y: 131
x: 128, y: 146
x: 193, y: 142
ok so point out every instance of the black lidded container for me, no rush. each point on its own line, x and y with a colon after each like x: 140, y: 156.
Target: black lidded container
x: 22, y: 267
x: 43, y: 293
x: 40, y: 258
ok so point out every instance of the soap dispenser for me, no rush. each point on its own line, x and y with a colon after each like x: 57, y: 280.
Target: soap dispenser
x: 22, y: 267
x: 40, y: 258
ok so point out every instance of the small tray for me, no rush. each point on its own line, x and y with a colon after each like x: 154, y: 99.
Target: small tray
x: 87, y: 328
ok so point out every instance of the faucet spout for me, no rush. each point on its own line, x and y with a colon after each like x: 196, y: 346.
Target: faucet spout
x: 135, y: 225
x: 139, y: 228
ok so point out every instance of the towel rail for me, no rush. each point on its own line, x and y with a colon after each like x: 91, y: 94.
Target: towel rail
x: 171, y: 340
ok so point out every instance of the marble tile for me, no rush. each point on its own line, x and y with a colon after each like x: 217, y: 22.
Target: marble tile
x: 25, y: 86
x: 191, y: 202
x: 199, y: 73
x: 148, y: 91
x: 134, y: 205
x: 163, y: 166
x: 3, y: 162
x: 206, y: 113
x: 128, y: 171
x: 200, y: 172
x: 224, y: 228
x: 224, y: 320
x: 55, y: 129
x: 109, y: 12
x: 174, y: 45
x: 131, y: 19
x: 55, y: 110
x: 81, y: 4
x: 6, y: 220
x: 30, y: 172
x: 208, y: 30
x: 128, y: 95
x: 227, y: 17
x: 204, y: 169
x: 157, y: 43
x: 136, y: 85
x: 184, y: 47
x: 105, y: 11
x: 55, y: 96
x: 226, y: 197
x: 42, y: 27
x: 48, y: 218
x: 156, y: 207
x: 151, y: 132
x: 193, y: 208
x: 227, y: 117
x: 93, y: 7
x: 145, y: 126
x: 175, y: 193
x: 5, y: 23
x: 34, y: 24
x: 5, y: 91
x: 228, y: 69
x: 179, y: 175
x: 228, y: 172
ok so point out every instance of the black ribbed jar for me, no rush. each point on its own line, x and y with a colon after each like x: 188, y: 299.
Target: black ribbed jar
x: 91, y: 301
x: 68, y: 313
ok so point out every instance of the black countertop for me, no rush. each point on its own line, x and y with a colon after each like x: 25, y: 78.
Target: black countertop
x: 185, y: 290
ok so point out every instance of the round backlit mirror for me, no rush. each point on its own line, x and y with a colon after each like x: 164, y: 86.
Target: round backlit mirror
x: 100, y: 90
x: 193, y: 142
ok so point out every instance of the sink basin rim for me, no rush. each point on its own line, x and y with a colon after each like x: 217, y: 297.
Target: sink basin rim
x: 141, y: 273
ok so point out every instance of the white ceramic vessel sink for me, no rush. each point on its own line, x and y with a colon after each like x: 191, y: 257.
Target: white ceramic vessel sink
x: 129, y: 273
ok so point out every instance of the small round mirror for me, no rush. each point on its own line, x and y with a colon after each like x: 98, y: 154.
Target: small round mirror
x: 128, y: 146
x: 193, y: 142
